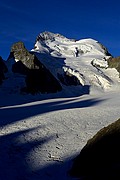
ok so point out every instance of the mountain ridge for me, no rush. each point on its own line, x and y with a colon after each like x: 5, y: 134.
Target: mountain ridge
x: 76, y: 63
x: 77, y: 53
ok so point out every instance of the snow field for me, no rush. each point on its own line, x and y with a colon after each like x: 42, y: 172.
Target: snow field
x: 41, y: 137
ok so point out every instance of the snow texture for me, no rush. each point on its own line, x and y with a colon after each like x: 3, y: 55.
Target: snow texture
x: 86, y: 59
x: 40, y: 135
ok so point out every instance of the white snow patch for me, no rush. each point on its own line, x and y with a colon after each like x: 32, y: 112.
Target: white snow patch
x: 100, y: 63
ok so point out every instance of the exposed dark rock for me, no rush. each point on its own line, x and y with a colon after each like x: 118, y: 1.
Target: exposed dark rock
x: 38, y: 77
x: 100, y: 157
x: 45, y: 36
x: 68, y: 79
x: 3, y: 69
x: 105, y: 49
x: 21, y: 54
x: 41, y: 80
x: 46, y: 83
x: 114, y: 63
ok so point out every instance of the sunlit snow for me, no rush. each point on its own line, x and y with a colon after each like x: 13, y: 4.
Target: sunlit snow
x: 41, y: 134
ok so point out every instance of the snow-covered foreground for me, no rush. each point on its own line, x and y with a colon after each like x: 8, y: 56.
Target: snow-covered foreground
x: 40, y: 135
x: 39, y: 138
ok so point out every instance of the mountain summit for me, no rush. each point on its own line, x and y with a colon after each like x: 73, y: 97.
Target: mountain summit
x: 73, y: 66
x: 85, y: 59
x: 57, y: 43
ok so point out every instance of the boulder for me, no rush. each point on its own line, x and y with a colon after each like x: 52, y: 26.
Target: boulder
x: 100, y: 157
x: 38, y: 77
x: 3, y: 69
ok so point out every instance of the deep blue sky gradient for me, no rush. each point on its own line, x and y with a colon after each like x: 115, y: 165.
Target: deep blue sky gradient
x: 23, y: 20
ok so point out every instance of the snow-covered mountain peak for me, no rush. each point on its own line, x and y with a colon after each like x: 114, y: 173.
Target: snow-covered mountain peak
x: 85, y: 59
x: 57, y: 44
x: 49, y: 36
x: 81, y: 63
x: 41, y: 134
x: 45, y: 36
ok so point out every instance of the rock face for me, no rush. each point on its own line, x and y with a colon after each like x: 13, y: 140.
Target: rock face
x: 114, y: 63
x: 68, y: 79
x: 105, y: 50
x: 45, y: 36
x: 41, y: 80
x: 3, y: 69
x: 24, y: 60
x: 38, y: 77
x: 100, y: 157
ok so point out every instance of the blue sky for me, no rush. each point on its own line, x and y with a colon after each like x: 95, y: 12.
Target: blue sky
x: 23, y: 20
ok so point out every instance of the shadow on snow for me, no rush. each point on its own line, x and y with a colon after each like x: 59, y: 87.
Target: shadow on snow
x: 13, y: 114
x: 14, y: 154
x: 15, y: 162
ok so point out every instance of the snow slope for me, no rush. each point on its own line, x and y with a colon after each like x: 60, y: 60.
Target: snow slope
x: 40, y: 135
x: 86, y: 59
x: 39, y: 138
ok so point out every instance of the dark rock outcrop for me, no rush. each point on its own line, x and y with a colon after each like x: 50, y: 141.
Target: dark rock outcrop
x: 38, y: 77
x: 45, y: 36
x: 68, y: 79
x: 105, y: 49
x: 100, y: 157
x: 3, y: 69
x: 20, y: 53
x: 114, y: 63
